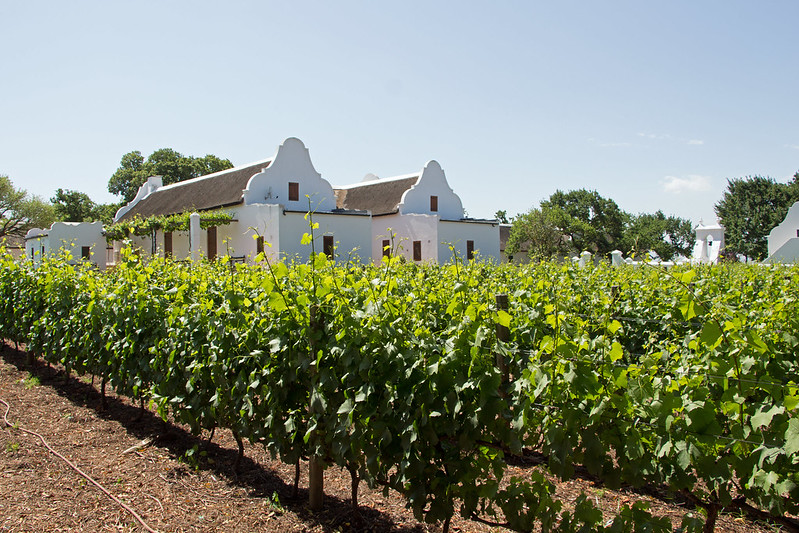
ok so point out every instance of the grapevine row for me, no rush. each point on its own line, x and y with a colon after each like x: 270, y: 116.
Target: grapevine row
x: 686, y: 380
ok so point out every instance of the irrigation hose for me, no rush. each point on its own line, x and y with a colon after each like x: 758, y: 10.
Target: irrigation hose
x: 135, y: 515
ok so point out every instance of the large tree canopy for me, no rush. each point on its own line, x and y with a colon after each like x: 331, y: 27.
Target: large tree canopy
x: 538, y: 230
x: 76, y: 206
x: 20, y: 212
x: 574, y: 221
x: 668, y: 237
x: 173, y: 166
x: 592, y: 222
x: 750, y: 208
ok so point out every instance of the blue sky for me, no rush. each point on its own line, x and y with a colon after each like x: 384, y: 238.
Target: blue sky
x: 652, y: 104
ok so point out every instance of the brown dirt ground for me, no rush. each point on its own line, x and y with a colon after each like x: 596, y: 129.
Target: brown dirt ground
x: 39, y: 492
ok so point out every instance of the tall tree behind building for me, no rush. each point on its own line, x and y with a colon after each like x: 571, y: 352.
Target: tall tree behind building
x: 173, y: 166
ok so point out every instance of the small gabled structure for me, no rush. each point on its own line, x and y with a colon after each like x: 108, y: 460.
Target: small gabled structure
x: 83, y: 241
x: 268, y: 200
x: 783, y: 240
x: 708, y: 245
x: 420, y: 217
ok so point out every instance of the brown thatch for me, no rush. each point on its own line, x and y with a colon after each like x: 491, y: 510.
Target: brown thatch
x: 206, y: 192
x: 381, y: 197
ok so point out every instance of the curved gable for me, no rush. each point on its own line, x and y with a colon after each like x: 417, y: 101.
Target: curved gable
x: 291, y: 165
x: 432, y: 184
x: 786, y: 230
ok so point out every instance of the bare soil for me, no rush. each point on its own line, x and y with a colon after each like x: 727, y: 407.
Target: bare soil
x: 175, y: 490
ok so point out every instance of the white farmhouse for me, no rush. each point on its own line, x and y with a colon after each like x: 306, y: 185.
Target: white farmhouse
x: 268, y: 201
x: 783, y: 240
x: 709, y: 243
x: 83, y: 241
x: 419, y: 217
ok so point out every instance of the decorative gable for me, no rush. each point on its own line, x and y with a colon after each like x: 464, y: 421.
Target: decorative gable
x: 288, y: 180
x: 432, y: 195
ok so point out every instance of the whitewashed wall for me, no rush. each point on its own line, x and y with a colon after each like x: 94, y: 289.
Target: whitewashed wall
x: 70, y: 237
x: 432, y: 182
x: 351, y: 234
x: 406, y: 229
x: 484, y: 234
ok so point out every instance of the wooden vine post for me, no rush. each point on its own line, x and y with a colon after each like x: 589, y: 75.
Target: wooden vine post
x: 316, y: 478
x: 503, y: 336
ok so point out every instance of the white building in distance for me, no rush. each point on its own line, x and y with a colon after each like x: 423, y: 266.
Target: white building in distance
x: 270, y: 200
x: 83, y: 241
x: 709, y: 243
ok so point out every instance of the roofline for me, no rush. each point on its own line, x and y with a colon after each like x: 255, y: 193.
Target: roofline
x: 214, y: 175
x: 378, y: 181
x: 493, y: 222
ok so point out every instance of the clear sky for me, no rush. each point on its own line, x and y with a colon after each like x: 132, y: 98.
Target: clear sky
x: 652, y: 104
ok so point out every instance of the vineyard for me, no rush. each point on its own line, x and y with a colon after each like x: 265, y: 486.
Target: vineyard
x: 428, y: 380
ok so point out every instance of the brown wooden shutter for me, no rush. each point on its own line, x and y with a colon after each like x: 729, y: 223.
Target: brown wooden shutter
x: 294, y: 191
x: 329, y: 246
x: 168, y: 244
x: 85, y: 252
x: 212, y: 243
x: 259, y: 245
x: 386, y: 248
x: 470, y: 250
x: 434, y: 203
x: 417, y: 250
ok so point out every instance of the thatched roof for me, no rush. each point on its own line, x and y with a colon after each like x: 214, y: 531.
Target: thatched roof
x: 381, y: 197
x: 206, y: 192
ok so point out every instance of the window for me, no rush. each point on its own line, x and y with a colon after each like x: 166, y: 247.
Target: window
x: 168, y: 244
x: 417, y: 250
x: 212, y: 243
x: 85, y: 252
x: 294, y: 191
x: 797, y: 233
x: 259, y: 245
x: 469, y: 250
x: 434, y: 203
x: 386, y: 248
x: 329, y: 246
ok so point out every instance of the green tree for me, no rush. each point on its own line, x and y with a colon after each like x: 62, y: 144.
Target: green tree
x: 539, y: 231
x: 20, y: 212
x: 173, y: 166
x: 73, y: 206
x: 668, y: 237
x: 749, y: 210
x: 592, y: 222
x: 105, y: 212
x: 502, y: 216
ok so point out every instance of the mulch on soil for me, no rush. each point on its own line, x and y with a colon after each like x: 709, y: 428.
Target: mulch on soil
x: 178, y: 482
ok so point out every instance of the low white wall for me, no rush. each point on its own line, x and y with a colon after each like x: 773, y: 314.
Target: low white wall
x: 69, y: 237
x: 406, y: 229
x: 351, y: 235
x: 456, y: 233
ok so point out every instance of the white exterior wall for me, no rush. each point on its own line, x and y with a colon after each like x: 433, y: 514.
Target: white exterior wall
x: 70, y: 237
x: 351, y: 235
x: 291, y: 163
x: 783, y: 240
x: 251, y: 220
x: 485, y: 236
x: 432, y: 182
x: 406, y: 229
